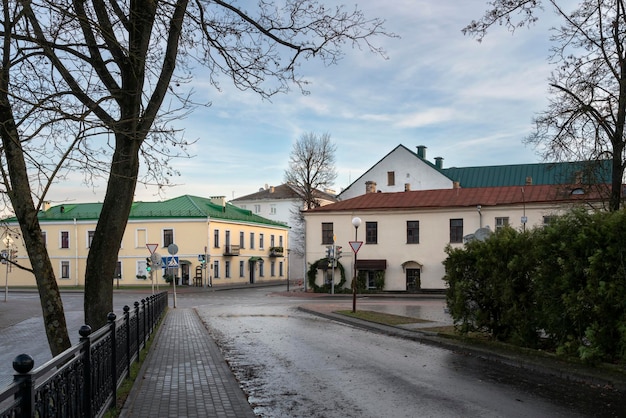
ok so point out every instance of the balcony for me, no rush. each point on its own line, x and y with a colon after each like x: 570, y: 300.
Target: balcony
x: 276, y: 252
x: 230, y: 250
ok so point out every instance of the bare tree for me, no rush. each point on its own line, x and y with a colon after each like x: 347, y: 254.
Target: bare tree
x: 103, y: 69
x: 311, y: 167
x: 587, y: 110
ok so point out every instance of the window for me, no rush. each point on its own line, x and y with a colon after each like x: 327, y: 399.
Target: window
x: 261, y: 241
x: 280, y: 241
x: 280, y: 269
x: 241, y: 240
x: 272, y: 209
x: 90, y: 235
x: 216, y: 238
x: 65, y: 269
x: 44, y: 237
x: 412, y: 232
x: 216, y: 269
x: 65, y: 239
x: 227, y: 239
x: 391, y: 178
x: 371, y: 232
x: 272, y: 240
x: 547, y: 220
x: 141, y: 268
x: 257, y: 208
x: 252, y: 240
x: 168, y: 237
x: 456, y: 230
x: 272, y: 268
x: 141, y: 238
x: 227, y: 269
x: 118, y: 270
x: 261, y: 265
x: 327, y: 233
x: 502, y: 222
x: 241, y: 268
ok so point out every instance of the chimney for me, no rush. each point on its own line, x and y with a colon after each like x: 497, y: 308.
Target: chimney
x: 439, y: 162
x: 407, y: 187
x: 62, y: 209
x: 46, y: 205
x: 271, y: 189
x: 579, y: 177
x: 529, y: 181
x: 370, y: 187
x: 456, y: 185
x: 421, y: 151
x: 218, y: 200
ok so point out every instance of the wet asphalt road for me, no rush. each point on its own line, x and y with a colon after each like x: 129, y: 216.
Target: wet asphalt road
x: 294, y: 364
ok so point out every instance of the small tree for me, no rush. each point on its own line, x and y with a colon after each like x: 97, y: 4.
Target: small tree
x: 311, y: 167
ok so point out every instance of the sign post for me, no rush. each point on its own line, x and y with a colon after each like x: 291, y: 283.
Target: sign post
x: 152, y: 248
x: 173, y: 250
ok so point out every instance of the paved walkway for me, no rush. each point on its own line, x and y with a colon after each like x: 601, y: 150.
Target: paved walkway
x: 185, y: 375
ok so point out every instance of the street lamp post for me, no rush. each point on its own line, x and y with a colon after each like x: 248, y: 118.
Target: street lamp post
x: 356, y: 222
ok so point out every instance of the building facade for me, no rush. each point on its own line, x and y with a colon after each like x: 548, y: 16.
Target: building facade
x: 278, y: 203
x: 404, y: 234
x: 217, y: 243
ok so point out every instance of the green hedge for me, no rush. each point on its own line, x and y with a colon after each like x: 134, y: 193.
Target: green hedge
x: 560, y: 287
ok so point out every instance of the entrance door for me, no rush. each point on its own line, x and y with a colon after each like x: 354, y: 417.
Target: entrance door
x: 252, y: 265
x: 413, y: 280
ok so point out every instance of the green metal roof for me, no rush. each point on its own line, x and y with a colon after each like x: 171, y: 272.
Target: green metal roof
x: 180, y: 207
x: 591, y: 172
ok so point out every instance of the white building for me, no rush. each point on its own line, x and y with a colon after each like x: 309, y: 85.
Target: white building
x: 278, y: 203
x: 404, y: 234
x: 400, y: 170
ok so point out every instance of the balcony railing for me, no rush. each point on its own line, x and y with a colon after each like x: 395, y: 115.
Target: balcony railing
x: 276, y: 252
x: 231, y: 250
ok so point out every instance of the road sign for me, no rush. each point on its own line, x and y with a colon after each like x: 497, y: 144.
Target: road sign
x: 355, y: 245
x: 152, y: 247
x: 169, y: 262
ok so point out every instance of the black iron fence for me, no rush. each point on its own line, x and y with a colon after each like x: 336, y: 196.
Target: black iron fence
x: 83, y: 380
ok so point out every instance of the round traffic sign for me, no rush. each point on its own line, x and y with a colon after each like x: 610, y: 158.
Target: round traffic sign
x: 172, y: 249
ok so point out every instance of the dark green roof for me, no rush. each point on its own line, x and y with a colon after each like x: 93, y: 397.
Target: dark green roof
x: 180, y: 207
x: 585, y: 172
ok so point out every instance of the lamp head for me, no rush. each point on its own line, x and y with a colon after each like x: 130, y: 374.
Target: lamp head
x: 356, y: 221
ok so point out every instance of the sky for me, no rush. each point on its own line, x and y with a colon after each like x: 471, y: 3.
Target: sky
x: 471, y: 103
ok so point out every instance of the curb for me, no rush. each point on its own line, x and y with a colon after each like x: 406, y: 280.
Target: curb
x: 545, y: 366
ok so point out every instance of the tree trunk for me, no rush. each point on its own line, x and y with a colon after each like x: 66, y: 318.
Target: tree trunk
x: 616, y: 178
x: 102, y: 259
x: 21, y: 199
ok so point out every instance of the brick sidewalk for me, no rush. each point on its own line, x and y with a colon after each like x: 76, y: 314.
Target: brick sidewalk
x: 185, y: 375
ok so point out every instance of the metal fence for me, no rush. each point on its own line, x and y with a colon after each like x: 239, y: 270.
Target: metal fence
x: 83, y: 380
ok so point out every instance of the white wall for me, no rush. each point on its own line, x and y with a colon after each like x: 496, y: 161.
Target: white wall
x: 433, y: 237
x: 408, y: 168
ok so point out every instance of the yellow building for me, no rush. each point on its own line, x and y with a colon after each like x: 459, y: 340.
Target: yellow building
x: 217, y: 243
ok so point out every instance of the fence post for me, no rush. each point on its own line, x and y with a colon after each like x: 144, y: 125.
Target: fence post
x: 138, y: 327
x: 84, y: 332
x: 143, y: 320
x: 23, y: 364
x: 111, y: 317
x: 127, y: 322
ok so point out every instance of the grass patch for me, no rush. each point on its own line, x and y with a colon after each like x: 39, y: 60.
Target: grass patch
x: 382, y: 318
x: 124, y: 390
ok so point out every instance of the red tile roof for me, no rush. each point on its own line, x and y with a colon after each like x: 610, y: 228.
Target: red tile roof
x: 484, y: 196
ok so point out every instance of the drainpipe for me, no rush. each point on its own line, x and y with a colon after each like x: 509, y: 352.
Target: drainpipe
x: 480, y: 216
x: 76, y: 251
